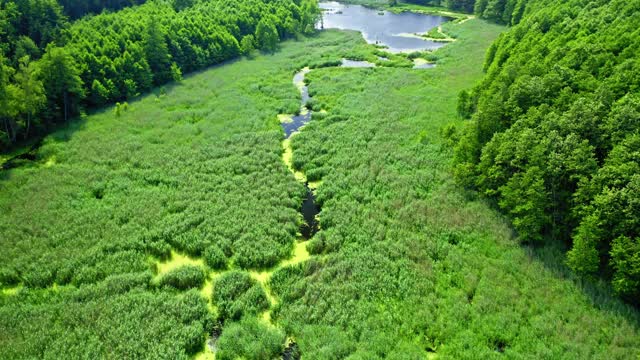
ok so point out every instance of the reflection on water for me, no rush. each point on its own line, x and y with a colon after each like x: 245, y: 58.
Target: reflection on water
x: 356, y: 64
x: 388, y: 29
x: 292, y: 124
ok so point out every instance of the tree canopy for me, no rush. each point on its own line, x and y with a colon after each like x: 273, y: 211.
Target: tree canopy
x: 553, y: 133
x: 114, y: 56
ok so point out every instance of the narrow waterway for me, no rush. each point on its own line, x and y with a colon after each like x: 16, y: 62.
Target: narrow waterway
x: 291, y: 125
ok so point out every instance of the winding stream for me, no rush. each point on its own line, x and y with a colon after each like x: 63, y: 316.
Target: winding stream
x: 290, y: 125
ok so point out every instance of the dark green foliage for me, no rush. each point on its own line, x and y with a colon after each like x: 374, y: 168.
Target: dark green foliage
x: 250, y: 339
x: 215, y: 258
x: 78, y: 8
x: 236, y: 294
x: 247, y: 44
x: 551, y: 121
x: 62, y: 84
x: 156, y: 52
x: 267, y: 35
x: 184, y: 277
x: 609, y: 227
x: 9, y: 277
x: 39, y: 20
x: 119, y: 318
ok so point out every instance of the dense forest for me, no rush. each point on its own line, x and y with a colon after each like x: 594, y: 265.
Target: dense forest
x: 554, y: 136
x: 50, y: 68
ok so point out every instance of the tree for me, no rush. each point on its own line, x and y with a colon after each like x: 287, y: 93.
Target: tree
x: 267, y: 35
x: 61, y: 78
x: 525, y: 198
x: 176, y: 73
x: 247, y: 45
x: 32, y: 89
x: 7, y: 105
x: 157, y: 52
x: 311, y: 14
x: 25, y: 47
x: 99, y: 93
x: 625, y: 258
x: 180, y: 5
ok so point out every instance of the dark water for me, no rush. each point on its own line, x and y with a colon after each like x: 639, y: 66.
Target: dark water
x: 383, y: 29
x: 305, y: 115
x: 309, y: 211
x: 291, y: 352
x: 297, y: 123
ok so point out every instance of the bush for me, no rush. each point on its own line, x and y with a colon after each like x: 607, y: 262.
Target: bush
x: 184, y: 277
x: 215, y: 258
x: 251, y: 340
x: 9, y: 277
x: 39, y: 278
x: 236, y: 293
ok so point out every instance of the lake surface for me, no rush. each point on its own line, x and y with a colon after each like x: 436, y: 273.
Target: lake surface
x: 392, y: 30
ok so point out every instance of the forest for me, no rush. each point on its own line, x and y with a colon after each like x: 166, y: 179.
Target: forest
x: 486, y: 207
x: 553, y: 137
x: 51, y: 68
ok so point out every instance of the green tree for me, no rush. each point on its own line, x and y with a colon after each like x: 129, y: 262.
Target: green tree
x: 247, y: 44
x: 7, y: 103
x: 32, y: 90
x: 176, y: 73
x: 267, y: 35
x: 625, y: 258
x: 62, y: 83
x: 25, y: 47
x: 311, y: 14
x: 525, y: 198
x: 99, y: 93
x: 157, y: 52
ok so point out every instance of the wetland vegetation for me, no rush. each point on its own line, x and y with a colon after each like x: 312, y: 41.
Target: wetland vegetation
x: 284, y: 205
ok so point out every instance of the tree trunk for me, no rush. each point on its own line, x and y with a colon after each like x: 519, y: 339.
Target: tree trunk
x: 66, y: 100
x: 10, y: 130
x: 26, y: 132
x: 6, y: 128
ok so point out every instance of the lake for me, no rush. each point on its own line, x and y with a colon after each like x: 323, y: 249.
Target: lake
x: 397, y: 31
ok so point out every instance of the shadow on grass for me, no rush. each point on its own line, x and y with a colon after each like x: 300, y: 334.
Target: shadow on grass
x: 552, y: 255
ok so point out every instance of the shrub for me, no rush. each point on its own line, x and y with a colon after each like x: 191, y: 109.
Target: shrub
x: 236, y: 293
x: 39, y: 277
x: 9, y: 277
x: 250, y: 339
x: 184, y: 277
x: 215, y: 258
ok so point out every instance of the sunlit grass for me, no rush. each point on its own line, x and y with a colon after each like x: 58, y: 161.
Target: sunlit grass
x: 177, y: 260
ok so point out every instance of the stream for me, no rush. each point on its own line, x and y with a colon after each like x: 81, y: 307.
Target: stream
x: 309, y: 208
